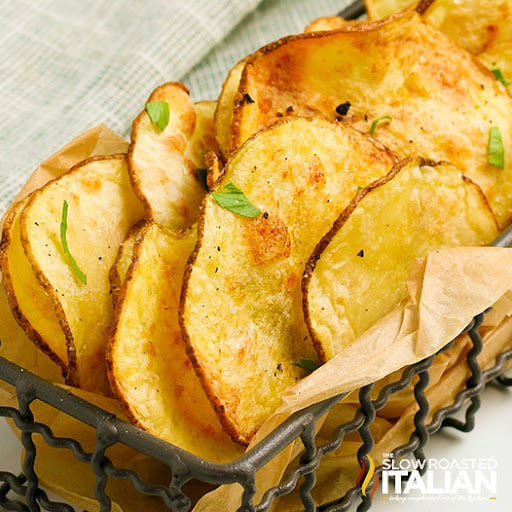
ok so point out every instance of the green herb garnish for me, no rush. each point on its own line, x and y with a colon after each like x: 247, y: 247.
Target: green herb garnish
x: 310, y: 365
x: 495, y: 148
x: 64, y: 242
x: 158, y: 112
x: 499, y: 75
x: 233, y: 199
x: 377, y: 121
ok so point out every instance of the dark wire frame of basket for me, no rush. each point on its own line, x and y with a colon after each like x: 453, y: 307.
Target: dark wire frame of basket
x: 186, y: 467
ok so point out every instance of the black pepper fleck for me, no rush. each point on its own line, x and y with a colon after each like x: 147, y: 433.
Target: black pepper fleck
x: 343, y: 108
x: 246, y: 98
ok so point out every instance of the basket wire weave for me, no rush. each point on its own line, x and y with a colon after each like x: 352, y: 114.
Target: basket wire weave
x: 185, y: 466
x: 23, y: 492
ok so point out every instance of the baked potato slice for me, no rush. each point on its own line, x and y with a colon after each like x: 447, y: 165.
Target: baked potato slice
x: 166, y: 150
x: 433, y: 99
x: 32, y: 308
x: 358, y: 271
x: 241, y: 313
x: 378, y: 9
x: 330, y: 23
x: 71, y: 255
x: 123, y: 261
x: 203, y: 140
x: 473, y: 24
x: 148, y: 366
x: 224, y: 110
x: 498, y: 59
x: 470, y: 23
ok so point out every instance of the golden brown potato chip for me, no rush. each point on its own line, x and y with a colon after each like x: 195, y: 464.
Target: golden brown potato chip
x: 378, y: 9
x: 224, y: 110
x: 225, y: 102
x: 164, y: 160
x: 498, y: 59
x: 241, y: 309
x: 31, y: 306
x: 70, y: 257
x: 203, y: 140
x: 400, y: 79
x: 326, y: 23
x: 473, y: 24
x: 124, y: 259
x: 470, y: 23
x: 358, y: 272
x: 148, y: 366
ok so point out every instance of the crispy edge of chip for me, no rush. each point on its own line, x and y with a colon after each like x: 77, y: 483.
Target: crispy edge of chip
x: 124, y: 258
x: 225, y: 107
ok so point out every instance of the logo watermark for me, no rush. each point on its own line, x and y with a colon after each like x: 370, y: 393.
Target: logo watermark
x: 470, y: 479
x: 430, y: 479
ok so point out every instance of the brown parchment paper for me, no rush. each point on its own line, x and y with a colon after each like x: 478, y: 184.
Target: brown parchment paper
x: 58, y: 470
x: 446, y: 290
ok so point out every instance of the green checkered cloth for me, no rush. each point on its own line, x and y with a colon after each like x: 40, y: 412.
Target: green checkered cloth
x: 69, y: 65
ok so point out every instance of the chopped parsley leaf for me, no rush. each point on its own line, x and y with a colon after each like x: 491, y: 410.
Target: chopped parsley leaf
x: 63, y: 239
x: 158, y: 112
x: 233, y: 199
x: 377, y: 121
x: 499, y: 76
x: 495, y: 148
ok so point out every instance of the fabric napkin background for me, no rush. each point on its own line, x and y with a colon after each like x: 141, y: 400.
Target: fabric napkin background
x: 68, y: 65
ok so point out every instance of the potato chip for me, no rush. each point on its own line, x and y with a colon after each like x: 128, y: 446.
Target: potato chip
x: 326, y: 23
x: 358, y: 272
x: 378, y: 9
x: 203, y: 140
x: 149, y: 368
x: 101, y: 209
x: 399, y: 79
x: 164, y: 160
x: 123, y: 260
x: 498, y: 59
x: 241, y: 309
x: 471, y: 23
x: 31, y: 306
x: 224, y: 110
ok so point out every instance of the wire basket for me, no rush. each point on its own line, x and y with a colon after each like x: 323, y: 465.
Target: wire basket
x: 23, y: 492
x: 186, y: 467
